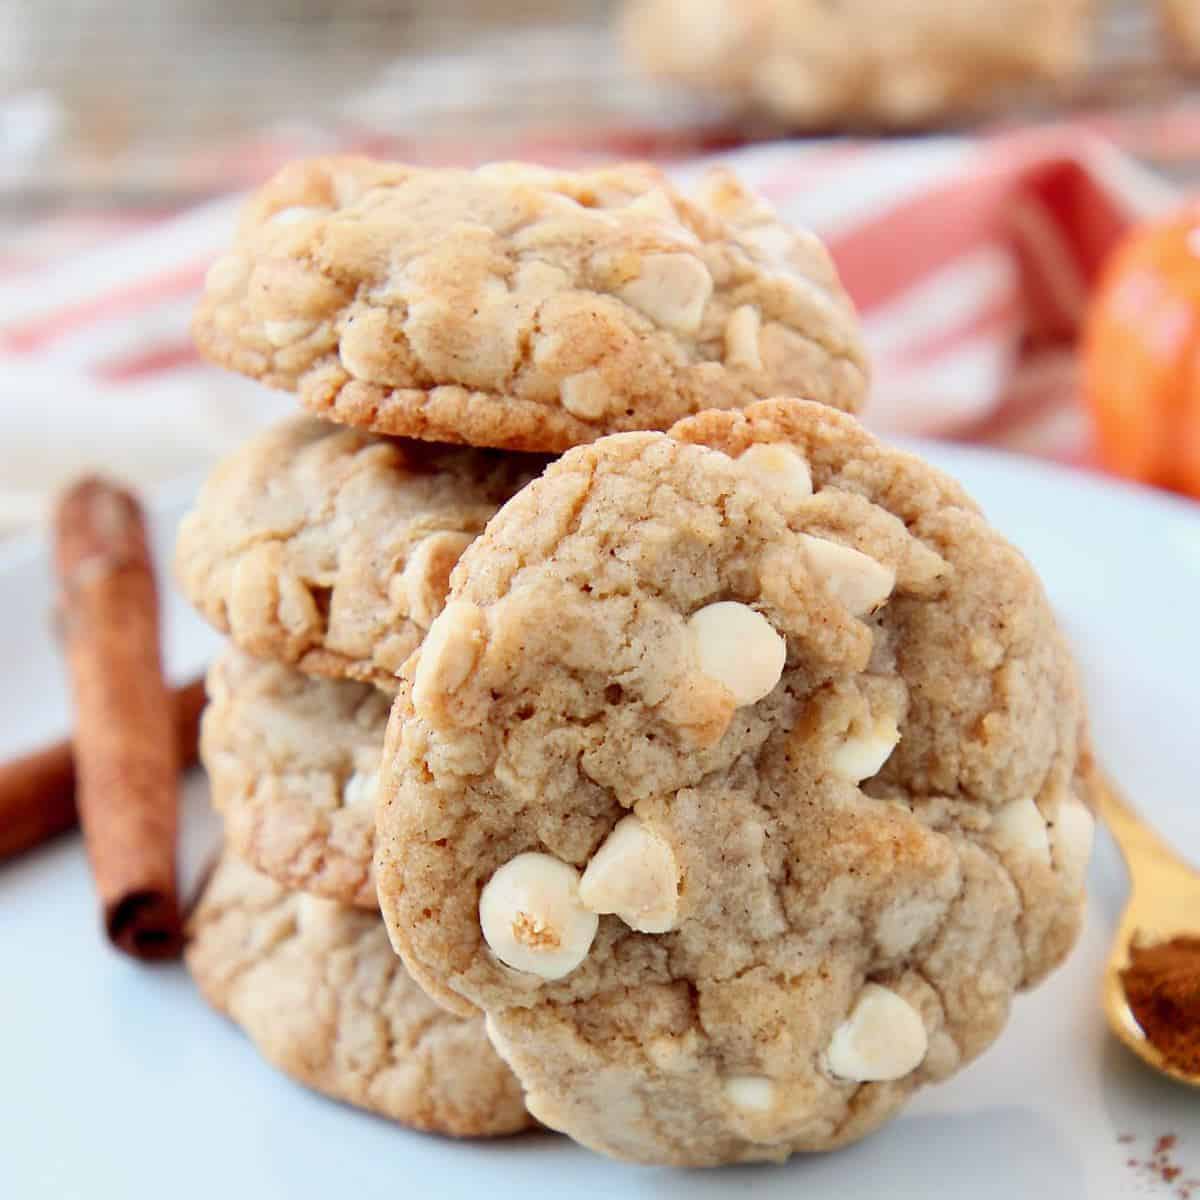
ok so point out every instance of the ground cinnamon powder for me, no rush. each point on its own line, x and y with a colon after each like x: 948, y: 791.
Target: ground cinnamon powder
x: 1158, y: 1165
x: 1162, y: 985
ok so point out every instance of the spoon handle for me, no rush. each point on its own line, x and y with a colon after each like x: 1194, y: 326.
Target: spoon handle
x: 1142, y: 848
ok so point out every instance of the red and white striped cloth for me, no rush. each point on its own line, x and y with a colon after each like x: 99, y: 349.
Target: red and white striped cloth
x: 970, y: 260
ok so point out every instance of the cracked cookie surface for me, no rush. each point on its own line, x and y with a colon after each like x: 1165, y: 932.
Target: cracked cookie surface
x: 741, y: 783
x: 520, y: 307
x: 292, y: 763
x: 330, y: 549
x: 318, y: 990
x: 896, y: 63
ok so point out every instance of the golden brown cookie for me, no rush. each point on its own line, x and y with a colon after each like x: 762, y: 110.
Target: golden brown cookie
x: 893, y: 63
x: 740, y: 783
x: 524, y: 308
x: 318, y: 990
x: 292, y: 763
x: 330, y: 549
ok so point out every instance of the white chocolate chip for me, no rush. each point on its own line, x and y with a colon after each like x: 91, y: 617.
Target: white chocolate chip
x: 227, y: 275
x: 319, y: 921
x: 359, y: 347
x: 739, y: 648
x: 519, y: 173
x: 586, y: 395
x: 284, y: 333
x: 672, y: 290
x: 853, y: 578
x: 751, y: 1093
x: 865, y: 749
x: 1018, y: 828
x: 1071, y: 835
x: 772, y: 239
x: 532, y: 918
x: 905, y: 921
x: 883, y: 1038
x: 655, y: 203
x: 499, y: 1044
x: 634, y: 875
x: 490, y: 1028
x: 781, y: 468
x: 741, y: 338
x: 426, y: 576
x: 539, y: 280
x: 360, y: 789
x: 448, y: 655
x: 295, y: 606
x: 297, y: 213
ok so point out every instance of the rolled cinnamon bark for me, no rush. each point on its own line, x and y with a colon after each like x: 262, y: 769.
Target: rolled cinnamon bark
x: 126, y: 762
x: 37, y: 798
x: 37, y: 790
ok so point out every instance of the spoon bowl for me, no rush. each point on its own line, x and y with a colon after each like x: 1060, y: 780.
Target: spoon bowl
x: 1163, y: 891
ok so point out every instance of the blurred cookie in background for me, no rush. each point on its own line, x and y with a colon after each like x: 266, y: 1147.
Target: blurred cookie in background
x: 882, y: 63
x: 1180, y: 21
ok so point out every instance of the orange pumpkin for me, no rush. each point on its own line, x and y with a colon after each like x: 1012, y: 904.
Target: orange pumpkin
x: 1141, y: 355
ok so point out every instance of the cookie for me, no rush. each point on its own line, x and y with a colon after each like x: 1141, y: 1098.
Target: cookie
x: 318, y: 990
x: 329, y: 549
x: 519, y: 307
x: 740, y: 783
x: 809, y: 63
x: 1180, y: 20
x: 292, y: 764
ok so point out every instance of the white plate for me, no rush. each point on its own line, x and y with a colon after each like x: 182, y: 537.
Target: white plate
x: 116, y: 1083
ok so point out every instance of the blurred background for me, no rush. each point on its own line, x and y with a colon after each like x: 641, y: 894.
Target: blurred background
x: 128, y: 132
x: 113, y: 101
x: 120, y: 101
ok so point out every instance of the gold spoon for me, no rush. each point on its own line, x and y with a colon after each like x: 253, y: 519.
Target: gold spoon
x: 1162, y: 889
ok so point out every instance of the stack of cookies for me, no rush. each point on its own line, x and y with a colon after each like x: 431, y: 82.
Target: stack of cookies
x: 716, y: 782
x: 325, y: 554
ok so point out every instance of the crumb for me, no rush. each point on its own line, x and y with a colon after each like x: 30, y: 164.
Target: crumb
x: 1160, y: 1167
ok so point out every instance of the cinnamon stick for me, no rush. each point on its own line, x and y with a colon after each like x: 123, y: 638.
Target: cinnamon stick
x: 37, y: 790
x: 126, y: 761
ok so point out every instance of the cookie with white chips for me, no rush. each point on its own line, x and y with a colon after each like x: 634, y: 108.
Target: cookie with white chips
x: 884, y: 63
x: 330, y: 550
x: 522, y: 307
x: 292, y: 763
x: 741, y: 783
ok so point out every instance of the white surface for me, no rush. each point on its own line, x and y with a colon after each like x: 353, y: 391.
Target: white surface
x: 116, y: 1083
